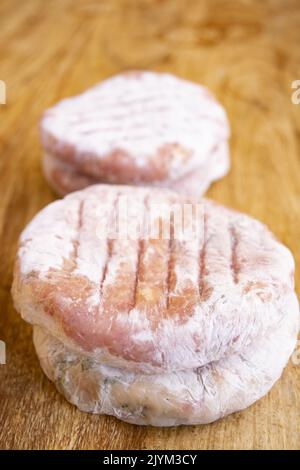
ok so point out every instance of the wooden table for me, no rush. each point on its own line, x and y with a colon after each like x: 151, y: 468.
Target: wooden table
x: 248, y: 54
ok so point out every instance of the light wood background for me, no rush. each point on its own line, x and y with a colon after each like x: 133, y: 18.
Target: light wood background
x: 248, y: 54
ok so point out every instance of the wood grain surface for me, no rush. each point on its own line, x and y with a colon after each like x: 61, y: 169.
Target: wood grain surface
x: 248, y: 54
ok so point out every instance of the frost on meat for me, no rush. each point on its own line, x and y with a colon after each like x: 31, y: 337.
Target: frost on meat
x: 139, y: 128
x: 151, y: 304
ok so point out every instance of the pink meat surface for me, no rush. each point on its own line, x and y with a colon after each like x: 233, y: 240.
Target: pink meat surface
x: 151, y: 304
x: 64, y: 178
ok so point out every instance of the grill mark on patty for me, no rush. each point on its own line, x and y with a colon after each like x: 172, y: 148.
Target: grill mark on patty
x: 141, y: 248
x: 234, y: 264
x: 156, y: 101
x: 171, y: 262
x: 109, y: 249
x: 107, y: 261
x: 76, y: 242
x: 140, y: 254
x: 202, y: 260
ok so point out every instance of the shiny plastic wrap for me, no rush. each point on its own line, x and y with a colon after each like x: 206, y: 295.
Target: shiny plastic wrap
x: 139, y: 128
x: 195, y: 396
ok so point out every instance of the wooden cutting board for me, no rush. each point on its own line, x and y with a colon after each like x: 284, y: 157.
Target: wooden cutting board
x: 248, y: 54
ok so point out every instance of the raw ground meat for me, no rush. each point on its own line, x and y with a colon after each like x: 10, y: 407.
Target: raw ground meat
x: 151, y: 305
x: 194, y: 396
x: 64, y: 178
x: 139, y: 128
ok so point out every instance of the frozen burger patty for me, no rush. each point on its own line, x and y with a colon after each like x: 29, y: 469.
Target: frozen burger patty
x: 151, y: 304
x: 139, y: 128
